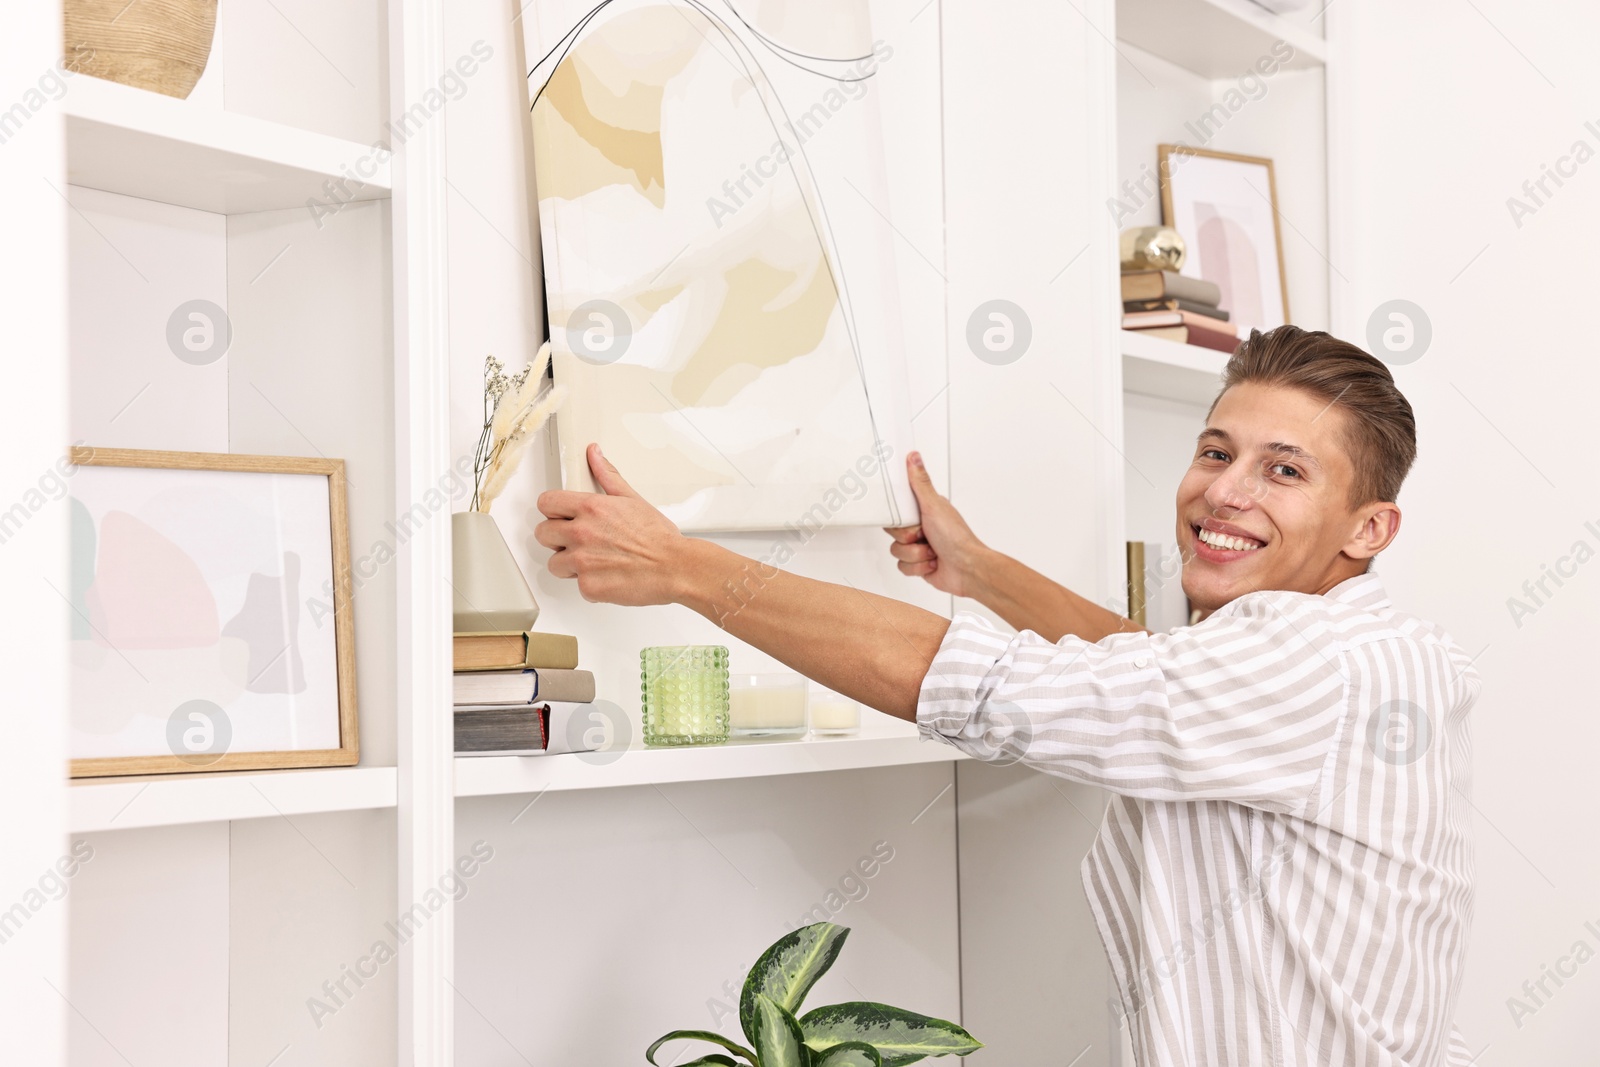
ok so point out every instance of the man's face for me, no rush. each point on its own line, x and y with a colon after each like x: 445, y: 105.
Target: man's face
x: 1266, y: 502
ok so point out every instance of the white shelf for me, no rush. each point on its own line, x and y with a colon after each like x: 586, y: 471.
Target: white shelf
x: 173, y: 799
x: 882, y: 742
x: 1153, y: 367
x: 1215, y: 38
x: 137, y: 143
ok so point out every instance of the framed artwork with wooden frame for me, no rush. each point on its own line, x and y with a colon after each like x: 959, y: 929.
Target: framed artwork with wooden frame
x: 1226, y: 208
x: 211, y: 618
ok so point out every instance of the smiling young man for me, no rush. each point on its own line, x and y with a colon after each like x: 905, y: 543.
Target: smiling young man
x: 1284, y: 875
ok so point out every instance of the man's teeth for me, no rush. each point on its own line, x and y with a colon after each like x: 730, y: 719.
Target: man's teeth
x: 1222, y: 540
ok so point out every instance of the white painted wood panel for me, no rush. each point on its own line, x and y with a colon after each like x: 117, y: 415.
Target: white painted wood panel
x: 138, y: 143
x: 320, y: 66
x: 1215, y: 37
x: 607, y: 918
x: 882, y: 741
x: 133, y: 264
x: 1025, y: 922
x: 312, y: 898
x: 168, y: 800
x: 33, y: 566
x: 1159, y: 446
x: 149, y: 949
x: 421, y: 292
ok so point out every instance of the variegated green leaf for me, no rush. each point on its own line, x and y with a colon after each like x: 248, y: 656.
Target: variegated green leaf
x: 848, y: 1054
x: 786, y: 972
x: 777, y: 1036
x: 716, y: 1059
x: 900, y: 1036
x: 699, y: 1035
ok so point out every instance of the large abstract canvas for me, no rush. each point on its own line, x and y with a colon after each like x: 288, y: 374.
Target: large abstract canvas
x: 719, y: 264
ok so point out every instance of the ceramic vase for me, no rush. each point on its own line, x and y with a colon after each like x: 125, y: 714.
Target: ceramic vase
x: 490, y: 590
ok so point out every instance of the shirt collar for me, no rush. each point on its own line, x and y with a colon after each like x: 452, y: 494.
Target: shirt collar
x: 1362, y: 591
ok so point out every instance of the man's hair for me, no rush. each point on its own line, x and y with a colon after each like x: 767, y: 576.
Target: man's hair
x: 1380, y: 428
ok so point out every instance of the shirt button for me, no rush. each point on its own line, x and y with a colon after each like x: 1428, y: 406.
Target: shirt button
x: 1141, y: 661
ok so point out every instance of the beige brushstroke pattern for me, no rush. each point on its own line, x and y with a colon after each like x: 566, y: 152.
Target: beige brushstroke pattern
x: 741, y: 373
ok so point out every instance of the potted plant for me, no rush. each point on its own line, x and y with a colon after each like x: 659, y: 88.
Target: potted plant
x: 852, y: 1034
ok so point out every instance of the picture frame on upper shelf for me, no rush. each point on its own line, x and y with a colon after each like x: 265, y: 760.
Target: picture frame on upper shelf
x: 1226, y: 207
x: 211, y: 613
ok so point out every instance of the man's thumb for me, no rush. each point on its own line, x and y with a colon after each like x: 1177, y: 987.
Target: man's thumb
x: 606, y: 476
x: 921, y: 484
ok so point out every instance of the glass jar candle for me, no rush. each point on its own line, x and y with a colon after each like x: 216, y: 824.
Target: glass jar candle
x: 768, y: 705
x: 833, y: 714
x: 684, y: 694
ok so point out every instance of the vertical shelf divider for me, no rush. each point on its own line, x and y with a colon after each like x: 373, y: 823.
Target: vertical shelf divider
x: 426, y: 822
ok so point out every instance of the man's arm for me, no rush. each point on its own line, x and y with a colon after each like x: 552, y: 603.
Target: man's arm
x: 943, y: 550
x: 1246, y: 707
x: 622, y: 550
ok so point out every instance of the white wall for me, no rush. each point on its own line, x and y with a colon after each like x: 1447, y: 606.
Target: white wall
x: 1450, y: 109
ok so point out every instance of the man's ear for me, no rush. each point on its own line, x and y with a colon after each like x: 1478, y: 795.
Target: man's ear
x: 1379, y: 523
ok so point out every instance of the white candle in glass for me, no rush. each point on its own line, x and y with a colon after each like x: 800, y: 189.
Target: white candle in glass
x: 832, y: 713
x: 767, y: 704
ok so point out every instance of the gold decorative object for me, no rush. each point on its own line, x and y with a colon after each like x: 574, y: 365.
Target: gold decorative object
x: 159, y: 45
x: 1152, y: 248
x: 1136, y: 590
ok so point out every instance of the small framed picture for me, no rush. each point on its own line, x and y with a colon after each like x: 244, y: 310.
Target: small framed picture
x: 211, y: 619
x: 1226, y: 208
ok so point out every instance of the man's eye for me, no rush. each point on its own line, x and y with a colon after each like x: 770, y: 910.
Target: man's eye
x: 1216, y: 454
x: 1286, y: 470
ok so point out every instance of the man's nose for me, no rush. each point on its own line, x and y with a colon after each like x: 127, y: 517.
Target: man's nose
x: 1229, y: 489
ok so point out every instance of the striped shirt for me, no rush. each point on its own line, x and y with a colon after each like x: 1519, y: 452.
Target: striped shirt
x: 1284, y: 874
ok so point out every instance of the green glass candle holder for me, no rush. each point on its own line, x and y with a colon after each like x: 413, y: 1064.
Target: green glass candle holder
x: 684, y: 690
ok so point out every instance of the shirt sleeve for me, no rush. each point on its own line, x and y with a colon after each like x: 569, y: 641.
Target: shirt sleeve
x: 1246, y: 706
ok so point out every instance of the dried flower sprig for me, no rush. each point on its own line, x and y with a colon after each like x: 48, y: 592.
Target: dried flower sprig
x: 513, y: 409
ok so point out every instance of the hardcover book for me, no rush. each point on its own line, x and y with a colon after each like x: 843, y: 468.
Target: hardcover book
x: 513, y: 649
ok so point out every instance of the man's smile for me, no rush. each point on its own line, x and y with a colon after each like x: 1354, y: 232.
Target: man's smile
x: 1221, y: 542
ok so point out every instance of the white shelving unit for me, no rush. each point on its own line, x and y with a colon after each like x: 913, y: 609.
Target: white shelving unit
x: 216, y: 197
x: 317, y: 860
x: 882, y: 742
x: 137, y: 143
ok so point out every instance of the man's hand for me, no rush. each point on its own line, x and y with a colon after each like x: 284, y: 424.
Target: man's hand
x: 619, y: 548
x: 942, y: 548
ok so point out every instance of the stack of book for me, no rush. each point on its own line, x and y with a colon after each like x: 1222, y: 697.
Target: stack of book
x: 1174, y: 307
x: 518, y: 693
